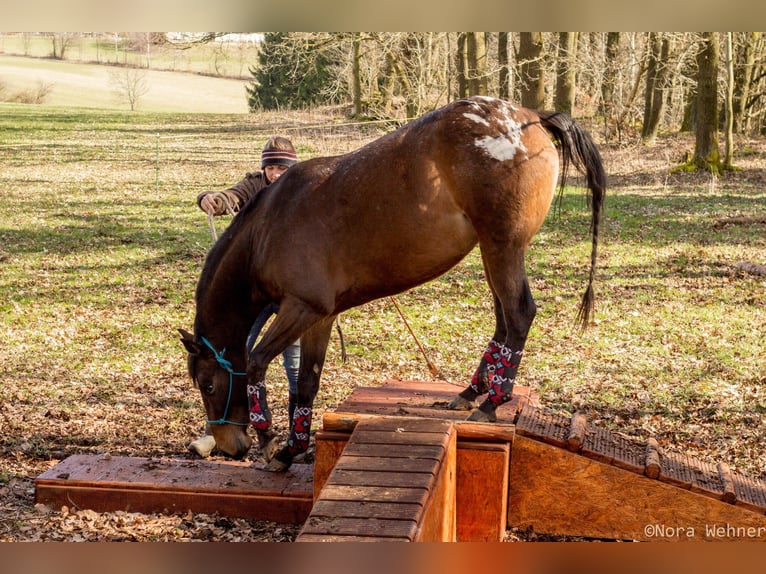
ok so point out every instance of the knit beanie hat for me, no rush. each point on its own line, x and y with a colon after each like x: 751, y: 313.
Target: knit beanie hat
x: 278, y: 151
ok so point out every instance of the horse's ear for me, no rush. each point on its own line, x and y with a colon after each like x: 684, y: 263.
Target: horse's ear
x: 188, y: 341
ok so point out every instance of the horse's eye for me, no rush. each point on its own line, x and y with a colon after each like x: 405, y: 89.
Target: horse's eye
x: 206, y: 387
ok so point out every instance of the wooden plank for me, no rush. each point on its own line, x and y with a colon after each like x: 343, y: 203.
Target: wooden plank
x: 751, y: 493
x: 364, y: 508
x: 148, y: 485
x: 361, y: 527
x: 374, y: 493
x: 426, y: 400
x: 328, y: 446
x: 613, y: 503
x: 427, y: 451
x: 466, y: 430
x: 356, y: 477
x: 386, y: 464
x: 394, y: 439
x: 338, y: 538
x: 481, y: 499
x: 675, y: 469
x: 652, y: 463
x: 543, y: 425
x: 439, y: 517
x: 578, y: 426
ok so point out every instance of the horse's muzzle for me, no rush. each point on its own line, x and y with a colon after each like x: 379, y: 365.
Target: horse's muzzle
x: 232, y: 440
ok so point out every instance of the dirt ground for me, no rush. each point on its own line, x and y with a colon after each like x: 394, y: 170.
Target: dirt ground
x: 22, y: 520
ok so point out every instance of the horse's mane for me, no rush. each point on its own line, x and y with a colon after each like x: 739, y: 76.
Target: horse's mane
x: 225, y: 241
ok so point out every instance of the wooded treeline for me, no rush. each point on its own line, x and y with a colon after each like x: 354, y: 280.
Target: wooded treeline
x: 635, y: 84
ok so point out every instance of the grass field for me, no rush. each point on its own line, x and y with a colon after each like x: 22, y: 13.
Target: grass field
x: 74, y: 84
x: 101, y: 245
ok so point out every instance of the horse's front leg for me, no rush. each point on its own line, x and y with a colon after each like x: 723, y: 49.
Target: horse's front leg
x: 259, y: 412
x: 313, y: 351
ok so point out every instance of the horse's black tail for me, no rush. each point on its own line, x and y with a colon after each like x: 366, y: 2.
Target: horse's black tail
x: 577, y: 148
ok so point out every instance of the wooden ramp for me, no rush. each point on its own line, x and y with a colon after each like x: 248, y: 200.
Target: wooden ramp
x: 558, y: 474
x: 395, y: 480
x: 149, y: 485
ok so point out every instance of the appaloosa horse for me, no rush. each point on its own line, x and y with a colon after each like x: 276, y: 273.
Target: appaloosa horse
x: 337, y: 232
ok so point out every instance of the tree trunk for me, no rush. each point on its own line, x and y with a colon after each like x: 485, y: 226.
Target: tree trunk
x: 565, y: 73
x: 608, y: 95
x: 657, y: 83
x: 461, y: 65
x: 476, y: 52
x: 743, y: 81
x: 531, y: 70
x: 706, y: 153
x: 729, y: 101
x: 504, y: 76
x: 356, y: 80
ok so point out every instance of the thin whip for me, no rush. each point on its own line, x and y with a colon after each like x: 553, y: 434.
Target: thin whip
x: 431, y: 366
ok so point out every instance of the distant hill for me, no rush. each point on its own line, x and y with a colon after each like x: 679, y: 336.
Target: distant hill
x: 88, y: 85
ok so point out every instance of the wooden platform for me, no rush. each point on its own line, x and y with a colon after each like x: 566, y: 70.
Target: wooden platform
x: 149, y: 485
x: 534, y: 469
x: 395, y: 480
x: 427, y: 400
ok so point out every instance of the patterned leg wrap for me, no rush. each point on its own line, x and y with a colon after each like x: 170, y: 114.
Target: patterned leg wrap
x: 502, y: 365
x: 298, y: 440
x: 260, y: 415
x: 480, y: 380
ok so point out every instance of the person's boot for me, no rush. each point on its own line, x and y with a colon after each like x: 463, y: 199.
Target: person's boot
x: 204, y: 445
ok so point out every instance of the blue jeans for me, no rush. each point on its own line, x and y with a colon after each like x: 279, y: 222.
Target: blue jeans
x: 291, y: 355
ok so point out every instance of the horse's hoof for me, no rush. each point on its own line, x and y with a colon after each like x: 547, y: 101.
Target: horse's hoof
x: 270, y: 449
x: 461, y: 404
x: 203, y: 446
x: 276, y: 465
x: 480, y: 416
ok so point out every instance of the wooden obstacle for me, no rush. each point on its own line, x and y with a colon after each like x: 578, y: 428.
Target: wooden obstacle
x: 558, y: 474
x: 373, y: 480
x: 149, y: 485
x: 395, y: 480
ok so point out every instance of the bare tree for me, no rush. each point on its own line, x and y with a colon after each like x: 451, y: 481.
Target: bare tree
x: 504, y: 76
x: 744, y: 80
x: 706, y: 152
x: 61, y: 41
x: 477, y: 63
x: 657, y: 74
x: 729, y: 131
x: 129, y: 84
x: 564, y: 98
x: 531, y: 69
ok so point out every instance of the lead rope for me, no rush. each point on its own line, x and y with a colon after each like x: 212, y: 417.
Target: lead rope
x: 226, y: 365
x: 228, y: 207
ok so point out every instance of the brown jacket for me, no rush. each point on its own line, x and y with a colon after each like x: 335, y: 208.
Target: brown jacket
x: 238, y: 194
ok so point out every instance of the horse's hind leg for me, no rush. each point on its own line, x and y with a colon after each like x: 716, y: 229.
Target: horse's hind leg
x: 514, y: 312
x: 466, y: 400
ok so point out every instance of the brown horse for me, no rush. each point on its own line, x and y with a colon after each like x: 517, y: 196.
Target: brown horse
x: 337, y: 232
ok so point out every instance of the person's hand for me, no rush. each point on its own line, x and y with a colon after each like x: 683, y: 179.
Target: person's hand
x: 212, y: 203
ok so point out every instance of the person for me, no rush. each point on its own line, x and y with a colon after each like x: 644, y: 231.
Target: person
x: 276, y: 158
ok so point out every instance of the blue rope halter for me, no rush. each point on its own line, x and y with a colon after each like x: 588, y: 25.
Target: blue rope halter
x: 226, y: 365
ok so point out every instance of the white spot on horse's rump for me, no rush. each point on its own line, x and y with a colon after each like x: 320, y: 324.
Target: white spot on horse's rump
x: 476, y: 118
x: 505, y: 146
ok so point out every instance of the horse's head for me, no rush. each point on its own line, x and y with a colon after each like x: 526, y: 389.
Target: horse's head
x: 224, y: 394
